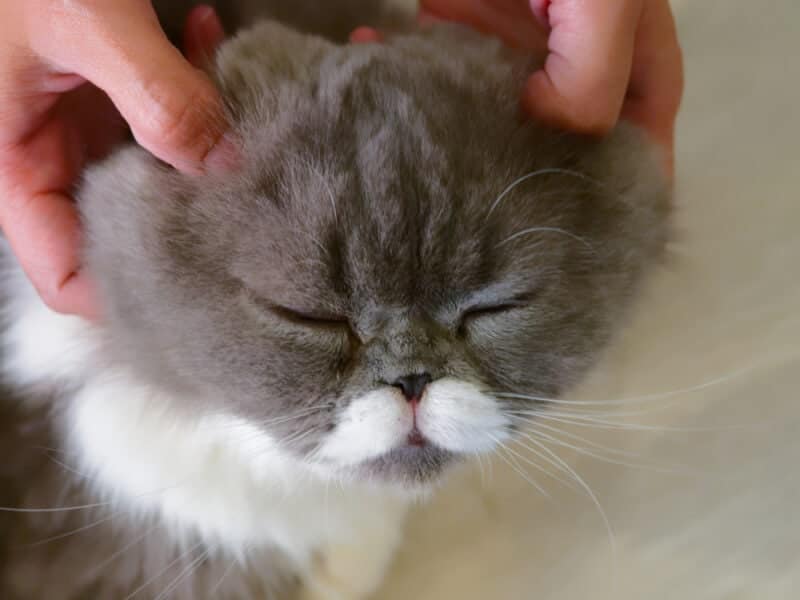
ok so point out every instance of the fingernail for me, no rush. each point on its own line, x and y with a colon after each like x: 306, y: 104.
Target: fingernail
x: 224, y: 156
x: 366, y: 35
x: 204, y: 13
x: 211, y: 25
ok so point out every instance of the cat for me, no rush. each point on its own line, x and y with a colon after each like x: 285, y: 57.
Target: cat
x: 294, y: 353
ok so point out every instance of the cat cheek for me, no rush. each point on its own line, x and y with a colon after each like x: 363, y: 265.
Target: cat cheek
x: 369, y: 427
x: 459, y: 417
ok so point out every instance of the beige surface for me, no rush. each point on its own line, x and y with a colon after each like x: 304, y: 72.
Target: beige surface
x: 727, y: 306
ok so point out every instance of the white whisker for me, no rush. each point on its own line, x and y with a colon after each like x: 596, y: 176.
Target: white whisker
x: 590, y: 421
x: 538, y: 425
x: 546, y: 230
x: 636, y: 399
x: 519, y: 471
x: 54, y: 510
x: 539, y: 173
x: 61, y: 536
x: 590, y: 493
x: 218, y: 585
x: 509, y: 460
x: 529, y: 461
x: 592, y: 454
x: 183, y: 575
x: 162, y: 571
x: 97, y: 568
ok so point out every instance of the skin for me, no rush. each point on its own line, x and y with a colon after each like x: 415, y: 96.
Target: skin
x: 75, y: 75
x: 605, y: 60
x: 72, y: 74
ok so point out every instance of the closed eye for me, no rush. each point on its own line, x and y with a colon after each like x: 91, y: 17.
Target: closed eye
x: 319, y: 319
x: 479, y: 311
x: 486, y: 310
x: 300, y: 317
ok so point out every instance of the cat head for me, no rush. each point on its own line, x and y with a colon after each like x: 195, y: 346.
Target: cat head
x: 400, y: 263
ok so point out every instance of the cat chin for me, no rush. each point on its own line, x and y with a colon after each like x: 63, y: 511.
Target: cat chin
x: 409, y: 468
x: 408, y: 471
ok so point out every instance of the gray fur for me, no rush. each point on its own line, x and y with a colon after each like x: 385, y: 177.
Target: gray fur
x: 365, y: 195
x: 374, y: 192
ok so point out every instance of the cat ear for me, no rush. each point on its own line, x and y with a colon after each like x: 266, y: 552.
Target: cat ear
x: 257, y: 68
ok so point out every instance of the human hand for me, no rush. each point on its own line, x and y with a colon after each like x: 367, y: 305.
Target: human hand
x: 68, y: 70
x: 604, y: 59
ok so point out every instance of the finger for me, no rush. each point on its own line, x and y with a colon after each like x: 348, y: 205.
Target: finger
x: 540, y: 9
x: 173, y: 109
x: 590, y: 52
x: 508, y: 19
x: 202, y: 36
x: 366, y: 35
x: 656, y: 87
x: 39, y: 221
x: 45, y: 237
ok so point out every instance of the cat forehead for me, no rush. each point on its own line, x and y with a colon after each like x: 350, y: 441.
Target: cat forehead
x: 381, y: 160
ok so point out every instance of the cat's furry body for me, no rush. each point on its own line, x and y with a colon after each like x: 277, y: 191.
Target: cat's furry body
x: 392, y: 216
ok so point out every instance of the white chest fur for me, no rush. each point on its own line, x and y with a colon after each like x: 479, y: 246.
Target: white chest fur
x: 216, y: 477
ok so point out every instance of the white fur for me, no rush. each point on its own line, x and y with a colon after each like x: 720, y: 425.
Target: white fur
x: 42, y: 347
x: 370, y: 426
x: 454, y: 415
x: 215, y: 476
x: 457, y: 416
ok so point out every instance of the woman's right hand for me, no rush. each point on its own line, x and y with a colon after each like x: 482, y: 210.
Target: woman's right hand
x: 72, y: 73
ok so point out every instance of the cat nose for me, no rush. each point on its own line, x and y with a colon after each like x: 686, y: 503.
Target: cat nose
x: 412, y: 386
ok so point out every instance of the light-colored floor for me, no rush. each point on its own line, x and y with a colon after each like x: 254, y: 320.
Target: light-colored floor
x: 727, y: 526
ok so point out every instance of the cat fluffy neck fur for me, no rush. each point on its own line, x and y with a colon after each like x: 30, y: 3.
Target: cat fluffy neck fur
x: 215, y: 481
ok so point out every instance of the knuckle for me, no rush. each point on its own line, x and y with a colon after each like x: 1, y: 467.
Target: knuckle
x: 181, y: 118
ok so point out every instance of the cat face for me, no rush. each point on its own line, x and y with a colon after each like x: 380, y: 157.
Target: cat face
x: 398, y: 258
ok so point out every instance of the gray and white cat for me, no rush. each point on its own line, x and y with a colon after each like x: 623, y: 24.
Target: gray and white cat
x: 294, y: 352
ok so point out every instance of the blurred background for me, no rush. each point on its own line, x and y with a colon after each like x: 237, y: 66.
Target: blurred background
x: 706, y: 505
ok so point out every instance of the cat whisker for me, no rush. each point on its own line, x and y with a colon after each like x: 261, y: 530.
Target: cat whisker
x: 183, y: 575
x: 163, y: 571
x: 293, y: 439
x: 558, y: 230
x: 62, y: 536
x: 95, y: 570
x: 511, y: 462
x: 529, y: 461
x: 588, y: 452
x: 549, y: 461
x: 534, y: 174
x: 11, y: 509
x: 479, y: 457
x: 538, y: 425
x: 566, y: 468
x: 306, y: 412
x: 593, y: 412
x: 636, y: 399
x: 218, y: 585
x: 590, y: 421
x: 65, y: 466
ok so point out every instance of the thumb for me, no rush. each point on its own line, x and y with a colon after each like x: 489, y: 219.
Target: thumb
x: 172, y: 108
